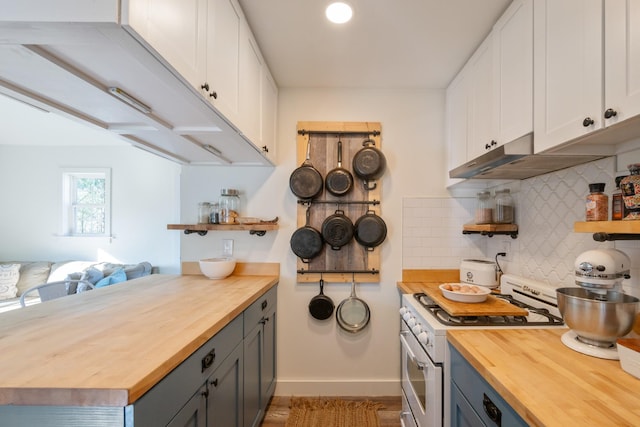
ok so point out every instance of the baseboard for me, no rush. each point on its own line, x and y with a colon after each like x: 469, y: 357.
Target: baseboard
x: 338, y: 388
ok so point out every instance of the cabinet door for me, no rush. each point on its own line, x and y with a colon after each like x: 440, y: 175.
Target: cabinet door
x: 567, y: 70
x: 176, y: 30
x: 622, y: 58
x: 225, y: 386
x: 457, y: 114
x: 268, y: 362
x: 268, y: 114
x: 513, y: 72
x: 481, y: 101
x: 462, y: 413
x: 223, y: 56
x: 250, y: 77
x: 193, y: 414
x: 253, y: 344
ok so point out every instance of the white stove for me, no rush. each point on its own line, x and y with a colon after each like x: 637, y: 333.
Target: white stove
x: 425, y: 374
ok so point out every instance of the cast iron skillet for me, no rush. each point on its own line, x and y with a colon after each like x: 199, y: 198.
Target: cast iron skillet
x: 369, y: 163
x: 321, y: 306
x: 337, y: 230
x: 306, y: 242
x: 339, y: 181
x: 370, y: 230
x: 306, y: 182
x: 353, y: 314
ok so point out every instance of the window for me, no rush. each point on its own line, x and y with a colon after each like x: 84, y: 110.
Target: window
x: 86, y: 202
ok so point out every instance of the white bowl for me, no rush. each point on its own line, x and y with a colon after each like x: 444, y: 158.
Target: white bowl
x: 629, y: 353
x: 473, y: 293
x: 217, y: 268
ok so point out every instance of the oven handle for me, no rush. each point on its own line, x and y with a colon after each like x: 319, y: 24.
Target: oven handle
x: 410, y: 353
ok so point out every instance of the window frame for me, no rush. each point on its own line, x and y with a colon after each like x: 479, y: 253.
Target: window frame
x: 68, y: 223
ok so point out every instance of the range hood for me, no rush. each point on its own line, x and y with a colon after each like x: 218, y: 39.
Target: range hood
x: 516, y: 160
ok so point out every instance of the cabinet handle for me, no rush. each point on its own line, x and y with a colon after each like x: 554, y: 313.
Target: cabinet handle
x: 263, y: 305
x: 494, y: 142
x: 491, y: 410
x: 610, y: 112
x: 487, y: 146
x: 205, y: 86
x: 214, y: 94
x: 588, y: 121
x: 207, y: 360
x: 265, y: 149
x: 264, y: 320
x: 205, y: 393
x: 214, y: 382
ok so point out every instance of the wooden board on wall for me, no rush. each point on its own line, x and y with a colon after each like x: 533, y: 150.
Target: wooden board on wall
x: 323, y: 138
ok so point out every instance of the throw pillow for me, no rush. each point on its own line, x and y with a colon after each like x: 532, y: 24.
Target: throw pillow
x: 116, y: 277
x: 9, y: 275
x: 92, y: 275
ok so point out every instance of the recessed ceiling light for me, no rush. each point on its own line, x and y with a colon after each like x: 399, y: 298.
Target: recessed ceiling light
x: 339, y: 12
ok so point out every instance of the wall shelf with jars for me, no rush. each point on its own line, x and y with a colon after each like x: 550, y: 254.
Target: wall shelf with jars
x: 258, y: 228
x: 609, y: 230
x: 490, y: 230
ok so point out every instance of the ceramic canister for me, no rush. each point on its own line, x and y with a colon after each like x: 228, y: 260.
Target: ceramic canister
x: 630, y: 186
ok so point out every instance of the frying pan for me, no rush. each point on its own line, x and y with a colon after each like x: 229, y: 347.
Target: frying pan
x: 306, y: 242
x: 353, y: 314
x: 370, y: 230
x: 306, y: 182
x: 369, y: 163
x: 337, y: 230
x: 321, y: 306
x: 339, y: 181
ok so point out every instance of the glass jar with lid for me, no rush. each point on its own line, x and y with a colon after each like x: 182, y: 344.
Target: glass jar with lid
x: 504, y: 210
x: 229, y: 206
x: 203, y: 212
x: 484, y: 208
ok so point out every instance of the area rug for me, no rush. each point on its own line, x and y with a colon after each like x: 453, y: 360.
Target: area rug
x: 329, y: 412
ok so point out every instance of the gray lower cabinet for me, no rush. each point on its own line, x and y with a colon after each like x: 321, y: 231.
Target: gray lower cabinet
x: 259, y: 357
x: 474, y: 402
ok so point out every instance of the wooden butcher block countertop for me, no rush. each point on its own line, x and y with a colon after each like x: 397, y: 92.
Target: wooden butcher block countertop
x: 109, y: 346
x: 547, y: 383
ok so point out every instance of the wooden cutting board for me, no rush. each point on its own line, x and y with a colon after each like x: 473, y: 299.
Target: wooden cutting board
x: 493, y: 306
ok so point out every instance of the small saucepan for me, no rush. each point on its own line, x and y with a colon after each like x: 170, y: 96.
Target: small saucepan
x: 306, y: 242
x: 337, y: 230
x: 321, y: 306
x: 339, y: 181
x: 353, y: 314
x: 370, y: 230
x: 306, y: 182
x: 369, y: 163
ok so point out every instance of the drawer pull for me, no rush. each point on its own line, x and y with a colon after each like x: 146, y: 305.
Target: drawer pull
x: 264, y: 304
x: 207, y: 361
x: 491, y: 410
x: 214, y: 382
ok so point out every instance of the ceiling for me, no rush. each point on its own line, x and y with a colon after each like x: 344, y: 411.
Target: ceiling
x: 387, y: 44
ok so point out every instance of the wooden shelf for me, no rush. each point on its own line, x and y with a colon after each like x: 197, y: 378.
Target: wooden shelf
x: 491, y: 229
x: 203, y: 229
x: 609, y: 230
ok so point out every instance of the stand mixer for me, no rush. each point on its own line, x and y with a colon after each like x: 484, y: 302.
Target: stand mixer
x: 598, y: 311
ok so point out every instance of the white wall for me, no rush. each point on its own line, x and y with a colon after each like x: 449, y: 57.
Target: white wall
x: 145, y: 198
x: 317, y: 357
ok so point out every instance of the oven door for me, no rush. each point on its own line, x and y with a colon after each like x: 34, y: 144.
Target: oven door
x: 421, y: 381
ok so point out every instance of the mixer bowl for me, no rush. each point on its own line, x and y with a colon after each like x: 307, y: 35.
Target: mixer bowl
x: 598, y: 318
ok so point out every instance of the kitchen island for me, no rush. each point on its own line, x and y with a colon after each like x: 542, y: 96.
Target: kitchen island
x: 547, y: 383
x: 109, y: 347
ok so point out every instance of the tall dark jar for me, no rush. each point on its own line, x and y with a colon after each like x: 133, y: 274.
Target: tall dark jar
x: 630, y: 186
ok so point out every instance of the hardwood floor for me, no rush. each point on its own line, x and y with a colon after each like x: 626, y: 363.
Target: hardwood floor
x: 278, y: 410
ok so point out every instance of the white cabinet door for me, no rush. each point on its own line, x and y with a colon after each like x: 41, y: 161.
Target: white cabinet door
x: 567, y: 70
x: 251, y: 64
x: 176, y: 30
x: 223, y: 57
x: 456, y: 122
x: 513, y: 72
x: 268, y: 114
x: 481, y: 138
x: 622, y: 59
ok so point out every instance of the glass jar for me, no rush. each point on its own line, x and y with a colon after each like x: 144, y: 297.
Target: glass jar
x: 504, y: 211
x: 597, y: 205
x: 204, y: 209
x: 229, y: 208
x: 630, y: 186
x: 214, y: 213
x: 484, y: 208
x: 618, y: 209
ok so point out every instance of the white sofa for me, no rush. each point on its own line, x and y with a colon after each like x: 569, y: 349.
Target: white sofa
x: 34, y: 273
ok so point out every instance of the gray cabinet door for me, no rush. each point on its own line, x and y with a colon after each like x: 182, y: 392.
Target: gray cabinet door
x: 194, y: 413
x: 225, y: 386
x: 253, y: 343
x: 268, y: 363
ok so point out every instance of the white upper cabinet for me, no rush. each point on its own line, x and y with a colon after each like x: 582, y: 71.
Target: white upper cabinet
x: 268, y: 115
x: 456, y: 115
x: 481, y: 85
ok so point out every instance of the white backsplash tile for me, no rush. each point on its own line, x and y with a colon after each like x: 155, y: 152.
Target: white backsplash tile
x: 546, y: 208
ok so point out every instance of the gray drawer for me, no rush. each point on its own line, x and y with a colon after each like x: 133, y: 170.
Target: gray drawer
x: 259, y: 309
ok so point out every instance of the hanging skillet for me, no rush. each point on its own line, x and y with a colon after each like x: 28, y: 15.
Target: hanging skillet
x: 369, y: 163
x: 321, y: 306
x: 306, y: 182
x: 306, y: 242
x: 337, y: 230
x: 339, y: 181
x: 370, y: 230
x: 353, y: 314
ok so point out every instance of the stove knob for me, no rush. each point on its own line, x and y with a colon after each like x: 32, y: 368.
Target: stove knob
x: 407, y: 315
x: 417, y: 329
x: 423, y: 337
x: 411, y: 322
x: 403, y: 310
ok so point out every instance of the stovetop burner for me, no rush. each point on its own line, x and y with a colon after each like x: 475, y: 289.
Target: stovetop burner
x: 536, y: 317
